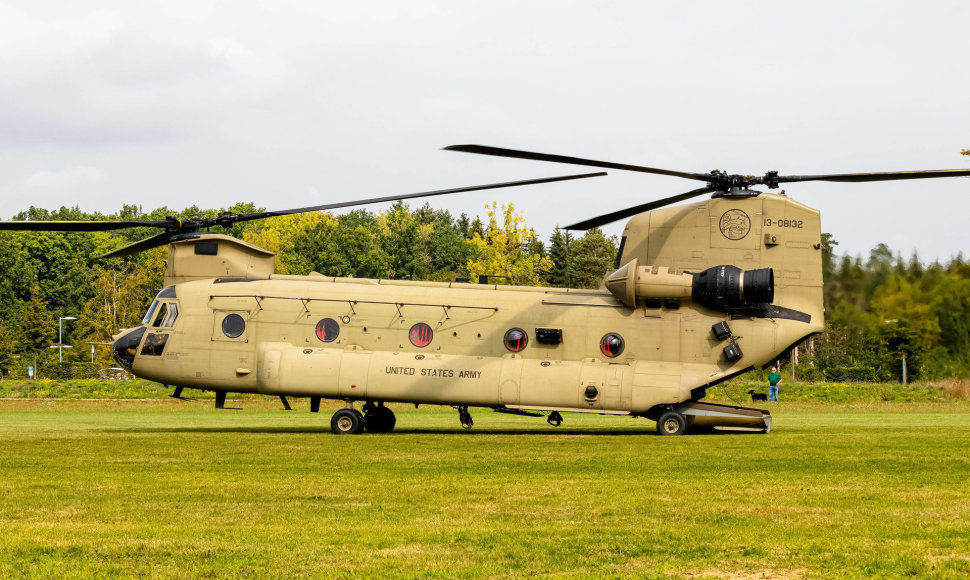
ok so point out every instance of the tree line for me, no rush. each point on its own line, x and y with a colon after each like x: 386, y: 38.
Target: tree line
x: 879, y: 308
x: 884, y: 309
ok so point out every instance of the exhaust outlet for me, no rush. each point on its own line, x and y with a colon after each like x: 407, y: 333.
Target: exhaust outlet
x: 717, y: 287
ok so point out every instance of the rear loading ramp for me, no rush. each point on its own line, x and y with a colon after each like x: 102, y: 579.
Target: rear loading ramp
x: 724, y: 417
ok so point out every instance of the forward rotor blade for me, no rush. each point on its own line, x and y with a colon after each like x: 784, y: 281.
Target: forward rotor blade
x: 65, y: 226
x: 623, y: 213
x: 254, y: 216
x: 500, y: 152
x: 885, y: 176
x: 139, y: 246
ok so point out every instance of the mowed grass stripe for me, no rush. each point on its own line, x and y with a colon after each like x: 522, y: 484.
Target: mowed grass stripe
x: 177, y: 489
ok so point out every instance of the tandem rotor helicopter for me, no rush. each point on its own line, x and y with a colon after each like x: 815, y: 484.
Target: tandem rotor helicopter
x: 701, y: 293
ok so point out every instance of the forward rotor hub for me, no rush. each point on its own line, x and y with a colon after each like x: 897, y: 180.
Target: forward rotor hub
x: 723, y: 181
x: 194, y: 224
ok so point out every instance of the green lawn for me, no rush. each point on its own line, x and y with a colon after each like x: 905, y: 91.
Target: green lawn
x: 177, y: 489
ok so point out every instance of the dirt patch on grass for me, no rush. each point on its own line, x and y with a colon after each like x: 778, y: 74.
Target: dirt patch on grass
x: 405, y: 550
x: 764, y: 574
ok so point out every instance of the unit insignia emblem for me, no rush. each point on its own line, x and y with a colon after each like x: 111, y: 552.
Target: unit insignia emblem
x: 735, y: 224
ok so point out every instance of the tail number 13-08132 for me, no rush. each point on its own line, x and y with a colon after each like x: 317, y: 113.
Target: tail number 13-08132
x: 783, y: 223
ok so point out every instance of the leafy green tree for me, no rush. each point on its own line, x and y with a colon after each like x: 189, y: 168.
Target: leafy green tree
x: 8, y: 349
x: 463, y: 225
x: 852, y: 283
x: 424, y: 214
x: 284, y: 236
x: 405, y: 241
x: 561, y: 273
x: 37, y: 326
x: 951, y: 308
x: 17, y: 275
x: 592, y: 256
x: 851, y: 348
x: 504, y: 251
x: 477, y: 227
x: 448, y: 249
x: 121, y: 293
x: 338, y: 246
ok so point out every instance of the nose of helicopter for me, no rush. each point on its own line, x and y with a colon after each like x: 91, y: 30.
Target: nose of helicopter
x: 125, y: 346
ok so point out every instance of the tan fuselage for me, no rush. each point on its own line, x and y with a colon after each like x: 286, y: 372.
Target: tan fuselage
x: 669, y: 352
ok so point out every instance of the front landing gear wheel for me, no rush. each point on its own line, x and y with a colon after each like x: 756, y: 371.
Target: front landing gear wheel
x: 379, y: 419
x: 671, y: 423
x: 347, y: 422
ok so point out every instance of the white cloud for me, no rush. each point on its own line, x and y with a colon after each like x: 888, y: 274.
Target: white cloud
x: 82, y: 76
x: 64, y: 180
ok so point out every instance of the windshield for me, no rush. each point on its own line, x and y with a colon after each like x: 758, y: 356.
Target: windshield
x: 161, y: 315
x: 151, y: 311
x: 173, y: 313
x: 167, y: 292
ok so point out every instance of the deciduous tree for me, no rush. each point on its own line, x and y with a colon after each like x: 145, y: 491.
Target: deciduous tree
x: 504, y: 252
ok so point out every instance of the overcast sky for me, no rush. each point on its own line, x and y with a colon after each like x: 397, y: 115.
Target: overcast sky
x: 289, y: 104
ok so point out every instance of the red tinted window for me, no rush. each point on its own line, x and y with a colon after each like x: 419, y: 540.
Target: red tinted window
x: 612, y: 344
x: 516, y: 339
x: 328, y: 330
x: 421, y: 334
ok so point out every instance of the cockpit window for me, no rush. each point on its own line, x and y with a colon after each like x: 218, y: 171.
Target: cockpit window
x: 167, y: 292
x: 173, y: 313
x: 161, y: 314
x: 165, y: 315
x: 150, y: 314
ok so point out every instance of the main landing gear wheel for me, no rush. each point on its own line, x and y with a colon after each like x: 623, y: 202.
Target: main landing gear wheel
x: 379, y: 419
x: 347, y: 422
x: 671, y: 423
x: 465, y: 417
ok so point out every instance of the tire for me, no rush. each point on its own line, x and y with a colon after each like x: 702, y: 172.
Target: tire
x: 347, y: 422
x: 380, y: 420
x: 671, y: 423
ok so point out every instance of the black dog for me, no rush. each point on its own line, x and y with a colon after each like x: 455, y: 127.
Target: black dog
x: 757, y: 396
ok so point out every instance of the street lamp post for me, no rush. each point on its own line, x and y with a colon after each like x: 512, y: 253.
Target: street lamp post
x: 60, y: 337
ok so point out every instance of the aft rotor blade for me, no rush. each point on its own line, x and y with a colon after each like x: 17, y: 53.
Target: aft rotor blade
x: 885, y: 176
x: 139, y: 246
x: 85, y: 226
x: 500, y: 152
x: 624, y: 213
x: 254, y: 216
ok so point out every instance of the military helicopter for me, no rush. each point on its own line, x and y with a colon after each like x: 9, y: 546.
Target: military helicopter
x: 701, y: 293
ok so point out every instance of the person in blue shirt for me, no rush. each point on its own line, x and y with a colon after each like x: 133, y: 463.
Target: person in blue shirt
x: 773, y: 380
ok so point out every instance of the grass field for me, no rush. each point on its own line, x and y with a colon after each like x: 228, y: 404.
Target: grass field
x: 177, y: 489
x: 735, y: 391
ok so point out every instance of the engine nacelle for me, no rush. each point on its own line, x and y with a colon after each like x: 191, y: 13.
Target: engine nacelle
x: 717, y: 287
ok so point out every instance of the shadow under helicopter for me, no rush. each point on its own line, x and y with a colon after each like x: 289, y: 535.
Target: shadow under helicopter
x: 325, y: 429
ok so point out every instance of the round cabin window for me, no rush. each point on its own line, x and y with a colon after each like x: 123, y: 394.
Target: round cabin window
x: 328, y: 330
x: 612, y: 344
x: 421, y: 334
x: 516, y: 340
x: 233, y: 326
